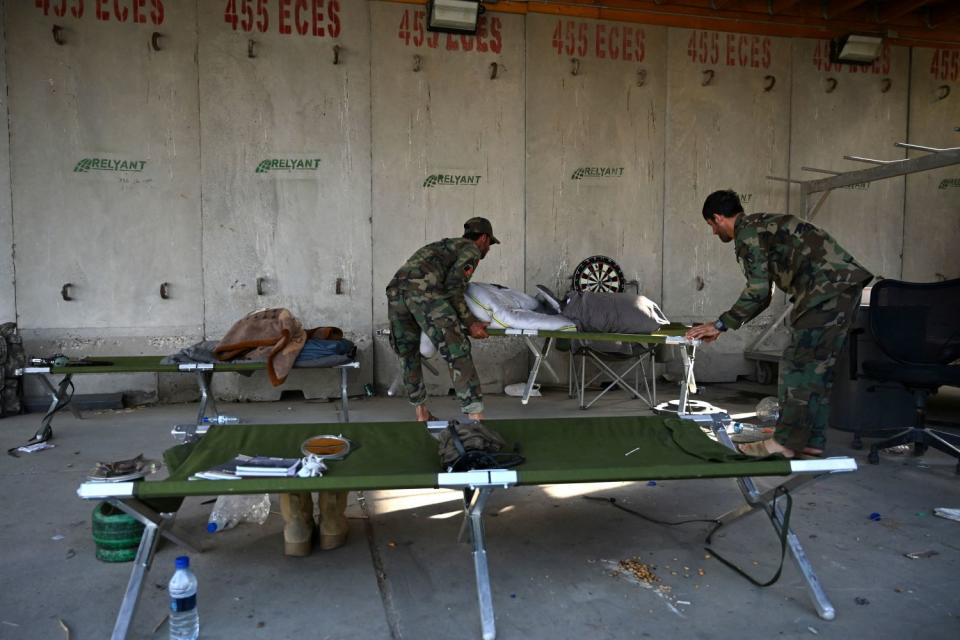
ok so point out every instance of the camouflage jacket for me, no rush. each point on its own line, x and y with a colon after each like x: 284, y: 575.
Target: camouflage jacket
x: 801, y: 259
x: 441, y: 269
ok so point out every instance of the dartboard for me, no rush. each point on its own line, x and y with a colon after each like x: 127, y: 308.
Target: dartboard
x: 598, y: 273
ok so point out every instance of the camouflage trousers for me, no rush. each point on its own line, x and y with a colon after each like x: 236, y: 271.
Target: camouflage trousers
x: 806, y: 370
x: 409, y: 314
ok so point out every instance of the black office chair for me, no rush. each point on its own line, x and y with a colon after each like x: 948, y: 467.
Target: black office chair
x: 917, y: 326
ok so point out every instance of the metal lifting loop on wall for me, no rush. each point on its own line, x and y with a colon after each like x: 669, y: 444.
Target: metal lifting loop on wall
x: 708, y: 75
x: 65, y: 292
x: 417, y: 63
x: 769, y: 82
x: 260, y: 283
x: 251, y: 49
x: 165, y: 290
x: 943, y: 91
x: 336, y: 54
x: 574, y: 66
x: 641, y: 77
x: 57, y: 31
x: 885, y: 85
x: 831, y: 85
x: 494, y: 67
x: 155, y: 40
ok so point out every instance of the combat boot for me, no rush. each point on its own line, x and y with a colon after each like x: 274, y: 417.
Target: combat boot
x: 333, y: 519
x: 298, y: 526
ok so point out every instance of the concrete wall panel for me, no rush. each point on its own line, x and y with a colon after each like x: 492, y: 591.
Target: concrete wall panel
x: 729, y: 96
x: 448, y: 145
x: 864, y: 114
x: 8, y: 311
x: 105, y: 170
x: 931, y: 225
x: 595, y: 132
x: 286, y: 166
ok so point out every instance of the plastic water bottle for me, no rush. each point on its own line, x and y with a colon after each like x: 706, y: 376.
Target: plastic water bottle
x: 184, y: 618
x: 768, y: 411
x: 230, y: 510
x: 221, y: 420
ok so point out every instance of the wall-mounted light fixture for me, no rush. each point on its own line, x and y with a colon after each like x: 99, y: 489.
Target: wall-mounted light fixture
x: 855, y: 49
x: 453, y: 16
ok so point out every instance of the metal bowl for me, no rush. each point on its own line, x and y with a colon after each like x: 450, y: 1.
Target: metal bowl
x: 326, y: 447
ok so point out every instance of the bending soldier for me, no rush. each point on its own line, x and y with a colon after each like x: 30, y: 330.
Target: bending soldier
x: 427, y: 295
x: 824, y: 283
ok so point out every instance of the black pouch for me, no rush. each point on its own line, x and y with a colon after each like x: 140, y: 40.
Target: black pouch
x: 473, y: 445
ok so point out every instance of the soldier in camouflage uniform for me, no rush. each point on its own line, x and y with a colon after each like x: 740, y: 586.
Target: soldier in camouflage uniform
x: 427, y: 294
x: 824, y: 283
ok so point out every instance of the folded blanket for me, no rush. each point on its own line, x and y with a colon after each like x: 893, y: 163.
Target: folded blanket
x: 271, y: 334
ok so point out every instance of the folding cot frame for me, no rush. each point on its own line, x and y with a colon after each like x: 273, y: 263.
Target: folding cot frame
x: 59, y: 396
x: 670, y: 334
x: 477, y: 488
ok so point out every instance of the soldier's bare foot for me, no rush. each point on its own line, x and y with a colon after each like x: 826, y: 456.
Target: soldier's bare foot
x: 423, y: 414
x: 476, y: 417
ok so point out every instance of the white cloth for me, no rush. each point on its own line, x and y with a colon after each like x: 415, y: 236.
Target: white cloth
x: 504, y: 308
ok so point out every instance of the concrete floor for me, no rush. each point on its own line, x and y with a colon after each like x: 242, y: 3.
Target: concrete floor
x: 403, y: 575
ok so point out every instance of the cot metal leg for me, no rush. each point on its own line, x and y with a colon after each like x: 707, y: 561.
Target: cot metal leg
x: 688, y: 355
x: 474, y: 503
x: 540, y: 356
x: 818, y: 596
x: 131, y: 597
x: 583, y: 377
x: 155, y: 525
x: 636, y: 377
x: 641, y: 372
x: 207, y: 401
x: 653, y: 377
x: 344, y: 408
x: 757, y: 500
x: 58, y: 397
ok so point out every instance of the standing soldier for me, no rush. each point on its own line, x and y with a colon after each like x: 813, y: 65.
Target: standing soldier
x: 427, y: 295
x: 824, y: 283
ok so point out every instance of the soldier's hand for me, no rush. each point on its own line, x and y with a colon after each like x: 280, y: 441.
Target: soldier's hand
x: 706, y: 332
x: 478, y: 330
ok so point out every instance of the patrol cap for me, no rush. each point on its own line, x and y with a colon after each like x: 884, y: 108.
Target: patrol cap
x: 480, y: 225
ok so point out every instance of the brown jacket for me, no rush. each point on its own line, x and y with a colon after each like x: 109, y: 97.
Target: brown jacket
x: 274, y: 335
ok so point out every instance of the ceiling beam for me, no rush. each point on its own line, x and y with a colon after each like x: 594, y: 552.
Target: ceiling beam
x: 939, y: 18
x: 892, y: 10
x: 836, y: 7
x: 779, y: 6
x: 723, y: 4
